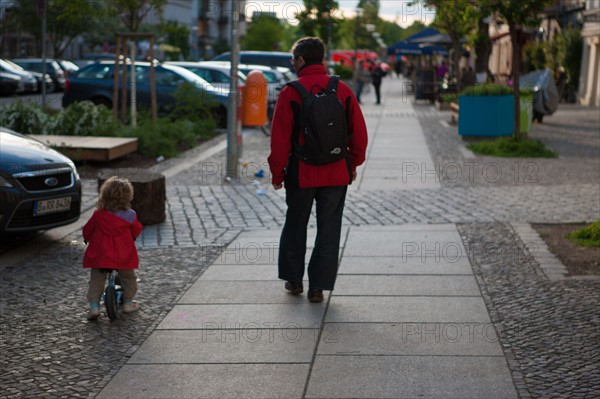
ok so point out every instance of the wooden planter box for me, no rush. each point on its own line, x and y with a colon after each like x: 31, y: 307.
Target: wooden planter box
x: 486, y: 116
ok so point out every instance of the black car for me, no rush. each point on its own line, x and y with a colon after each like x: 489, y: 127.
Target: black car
x: 52, y: 68
x: 39, y: 188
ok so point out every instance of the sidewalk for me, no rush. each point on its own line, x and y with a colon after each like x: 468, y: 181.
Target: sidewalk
x: 407, y: 318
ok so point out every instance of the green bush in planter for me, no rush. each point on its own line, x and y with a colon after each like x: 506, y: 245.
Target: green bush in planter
x: 26, y: 118
x: 84, y: 118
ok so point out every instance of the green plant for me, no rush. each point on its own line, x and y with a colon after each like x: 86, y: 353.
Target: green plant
x: 588, y: 236
x: 192, y: 104
x: 449, y: 98
x: 83, y: 118
x: 343, y: 72
x: 495, y: 90
x: 509, y: 147
x: 26, y: 118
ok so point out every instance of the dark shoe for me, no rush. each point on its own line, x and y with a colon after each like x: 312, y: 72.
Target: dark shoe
x: 315, y: 296
x: 294, y: 288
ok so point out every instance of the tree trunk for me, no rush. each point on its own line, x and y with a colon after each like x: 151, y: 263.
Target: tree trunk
x: 483, y: 48
x: 515, y: 37
x: 456, y: 59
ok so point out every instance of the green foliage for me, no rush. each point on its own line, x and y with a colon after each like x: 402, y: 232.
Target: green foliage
x: 164, y: 137
x: 191, y: 104
x: 316, y: 18
x: 264, y: 34
x: 342, y: 71
x: 572, y: 62
x: 83, y: 119
x: 177, y: 35
x: 448, y: 98
x: 509, y: 147
x: 588, y: 236
x: 133, y: 12
x: 494, y: 90
x: 26, y: 118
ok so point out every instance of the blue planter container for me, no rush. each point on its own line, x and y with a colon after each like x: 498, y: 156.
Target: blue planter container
x: 486, y: 116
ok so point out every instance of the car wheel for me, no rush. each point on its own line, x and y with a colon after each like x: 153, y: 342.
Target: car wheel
x: 102, y: 101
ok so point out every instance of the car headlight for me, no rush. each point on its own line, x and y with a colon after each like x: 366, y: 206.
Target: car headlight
x: 74, y: 169
x: 5, y: 183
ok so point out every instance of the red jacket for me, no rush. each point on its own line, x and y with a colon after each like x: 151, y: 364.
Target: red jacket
x: 282, y: 125
x: 110, y: 241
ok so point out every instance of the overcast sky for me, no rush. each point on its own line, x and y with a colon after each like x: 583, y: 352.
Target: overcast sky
x: 392, y: 10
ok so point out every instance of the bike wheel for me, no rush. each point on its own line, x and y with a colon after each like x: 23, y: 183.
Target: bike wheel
x: 110, y: 301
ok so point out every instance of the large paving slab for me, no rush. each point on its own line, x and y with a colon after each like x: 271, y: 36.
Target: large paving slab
x: 404, y: 265
x: 243, y: 316
x: 246, y: 345
x: 422, y: 339
x: 409, y: 309
x: 240, y: 272
x: 213, y: 292
x: 407, y: 285
x: 194, y: 381
x: 444, y: 377
x: 445, y: 244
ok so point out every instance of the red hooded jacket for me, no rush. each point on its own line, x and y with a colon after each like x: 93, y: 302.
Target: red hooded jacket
x: 314, y: 77
x: 110, y: 241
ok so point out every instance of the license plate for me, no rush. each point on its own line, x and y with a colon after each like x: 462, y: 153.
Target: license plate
x: 51, y: 206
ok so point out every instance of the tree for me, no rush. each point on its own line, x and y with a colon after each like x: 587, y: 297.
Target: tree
x: 177, y: 35
x: 66, y: 19
x: 457, y: 18
x: 518, y: 15
x: 318, y: 19
x: 133, y: 12
x: 264, y: 34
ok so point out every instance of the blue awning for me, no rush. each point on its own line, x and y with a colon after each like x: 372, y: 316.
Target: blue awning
x: 411, y: 45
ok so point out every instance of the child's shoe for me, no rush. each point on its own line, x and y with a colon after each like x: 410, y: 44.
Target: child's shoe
x: 130, y: 307
x: 94, y: 311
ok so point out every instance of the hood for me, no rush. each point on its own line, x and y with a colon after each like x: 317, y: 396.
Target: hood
x: 19, y: 153
x: 110, y: 224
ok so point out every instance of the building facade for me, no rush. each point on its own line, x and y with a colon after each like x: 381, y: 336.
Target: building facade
x: 589, y: 81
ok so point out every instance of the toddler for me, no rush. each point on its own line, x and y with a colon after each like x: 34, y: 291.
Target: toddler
x: 111, y: 232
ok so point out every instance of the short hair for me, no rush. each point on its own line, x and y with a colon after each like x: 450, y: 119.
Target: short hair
x: 115, y: 195
x: 311, y: 49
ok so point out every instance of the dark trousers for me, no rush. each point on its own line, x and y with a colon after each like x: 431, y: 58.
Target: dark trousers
x: 378, y: 92
x: 323, y: 264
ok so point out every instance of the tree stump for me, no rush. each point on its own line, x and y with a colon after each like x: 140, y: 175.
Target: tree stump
x: 149, y: 192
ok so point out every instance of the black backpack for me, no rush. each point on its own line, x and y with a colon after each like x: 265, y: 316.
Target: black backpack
x: 321, y: 119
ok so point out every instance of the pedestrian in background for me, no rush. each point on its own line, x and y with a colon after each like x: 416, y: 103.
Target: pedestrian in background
x: 377, y: 74
x: 305, y: 183
x: 110, y: 234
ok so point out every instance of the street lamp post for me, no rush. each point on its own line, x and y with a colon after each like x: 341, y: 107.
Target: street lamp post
x: 355, y: 76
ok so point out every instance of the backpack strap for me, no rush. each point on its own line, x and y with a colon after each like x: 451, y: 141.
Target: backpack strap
x: 333, y: 83
x: 299, y: 88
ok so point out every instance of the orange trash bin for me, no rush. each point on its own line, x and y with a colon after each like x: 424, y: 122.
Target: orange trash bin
x: 254, y: 100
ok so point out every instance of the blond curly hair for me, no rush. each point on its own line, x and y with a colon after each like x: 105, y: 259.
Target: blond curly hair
x: 115, y: 195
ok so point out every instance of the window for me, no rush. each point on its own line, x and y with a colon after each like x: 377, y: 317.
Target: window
x: 95, y: 71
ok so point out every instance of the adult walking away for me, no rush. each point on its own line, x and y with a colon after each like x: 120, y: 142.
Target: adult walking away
x: 307, y: 181
x: 377, y: 74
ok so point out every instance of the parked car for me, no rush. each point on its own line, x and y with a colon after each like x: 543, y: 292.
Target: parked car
x: 29, y: 85
x: 52, y: 68
x: 39, y: 188
x: 41, y: 79
x: 68, y: 67
x: 268, y: 58
x: 95, y: 82
x: 217, y: 74
x: 9, y: 83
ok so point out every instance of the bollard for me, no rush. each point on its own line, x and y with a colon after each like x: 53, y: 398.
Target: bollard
x: 254, y: 100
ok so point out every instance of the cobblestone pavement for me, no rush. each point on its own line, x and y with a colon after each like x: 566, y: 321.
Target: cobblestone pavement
x: 550, y: 331
x: 48, y: 349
